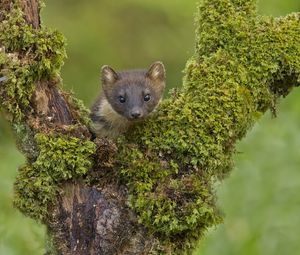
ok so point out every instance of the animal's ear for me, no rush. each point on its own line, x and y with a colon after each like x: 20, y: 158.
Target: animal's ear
x: 108, y: 76
x: 157, y: 72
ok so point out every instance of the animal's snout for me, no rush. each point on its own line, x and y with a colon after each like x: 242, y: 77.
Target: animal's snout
x: 136, y: 114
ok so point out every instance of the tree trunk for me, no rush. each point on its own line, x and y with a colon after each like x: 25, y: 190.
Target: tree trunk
x: 151, y: 191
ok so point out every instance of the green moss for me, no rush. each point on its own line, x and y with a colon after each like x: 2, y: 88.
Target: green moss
x: 60, y: 158
x: 170, y: 163
x: 79, y: 110
x: 26, y: 56
x: 242, y: 64
x: 17, y: 88
x: 25, y: 140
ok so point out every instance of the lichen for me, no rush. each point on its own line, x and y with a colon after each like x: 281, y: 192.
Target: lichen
x: 60, y: 158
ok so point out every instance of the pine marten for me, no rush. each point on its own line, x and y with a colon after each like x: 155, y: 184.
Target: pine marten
x: 126, y: 97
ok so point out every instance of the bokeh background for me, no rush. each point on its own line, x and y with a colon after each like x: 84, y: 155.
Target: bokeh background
x: 261, y: 199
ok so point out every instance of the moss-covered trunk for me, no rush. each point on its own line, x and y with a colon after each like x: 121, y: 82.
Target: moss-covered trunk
x: 151, y: 191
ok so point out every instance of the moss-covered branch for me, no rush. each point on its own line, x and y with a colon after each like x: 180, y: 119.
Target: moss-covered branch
x: 153, y: 188
x: 242, y: 64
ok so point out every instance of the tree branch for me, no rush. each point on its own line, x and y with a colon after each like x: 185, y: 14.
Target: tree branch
x: 31, y: 12
x: 150, y: 192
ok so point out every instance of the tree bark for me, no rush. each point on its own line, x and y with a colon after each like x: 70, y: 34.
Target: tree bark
x: 108, y: 207
x: 85, y: 219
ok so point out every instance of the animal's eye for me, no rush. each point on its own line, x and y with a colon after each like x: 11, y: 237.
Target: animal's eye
x: 122, y: 99
x: 147, y: 98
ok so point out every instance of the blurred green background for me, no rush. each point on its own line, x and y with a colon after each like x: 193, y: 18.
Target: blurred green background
x: 261, y: 199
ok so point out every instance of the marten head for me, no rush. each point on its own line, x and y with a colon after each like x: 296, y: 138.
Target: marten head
x: 134, y: 93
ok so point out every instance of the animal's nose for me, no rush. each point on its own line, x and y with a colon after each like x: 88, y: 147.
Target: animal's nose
x: 136, y: 114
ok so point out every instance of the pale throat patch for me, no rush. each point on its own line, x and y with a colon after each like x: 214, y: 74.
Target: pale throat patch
x: 117, y: 121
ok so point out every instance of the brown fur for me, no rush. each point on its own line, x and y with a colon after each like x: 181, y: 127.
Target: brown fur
x: 110, y: 116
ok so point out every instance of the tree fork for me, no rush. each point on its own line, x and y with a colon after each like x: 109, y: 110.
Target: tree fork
x: 150, y: 192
